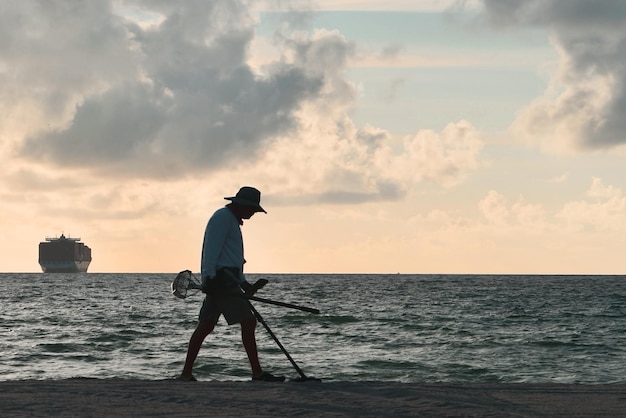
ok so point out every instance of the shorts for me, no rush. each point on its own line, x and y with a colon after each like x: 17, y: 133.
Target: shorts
x: 234, y: 308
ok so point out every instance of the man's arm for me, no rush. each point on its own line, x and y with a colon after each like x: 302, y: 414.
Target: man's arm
x: 214, y: 238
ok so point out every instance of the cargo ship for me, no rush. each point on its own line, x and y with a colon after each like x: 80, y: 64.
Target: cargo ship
x: 64, y: 255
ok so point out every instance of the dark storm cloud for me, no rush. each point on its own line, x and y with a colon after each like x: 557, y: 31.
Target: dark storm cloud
x: 565, y: 13
x: 592, y: 37
x: 185, y: 100
x: 51, y: 51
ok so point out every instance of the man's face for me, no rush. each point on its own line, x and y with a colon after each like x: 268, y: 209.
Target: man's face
x: 247, y: 212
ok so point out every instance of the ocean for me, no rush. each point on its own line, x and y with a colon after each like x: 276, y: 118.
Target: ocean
x: 394, y: 328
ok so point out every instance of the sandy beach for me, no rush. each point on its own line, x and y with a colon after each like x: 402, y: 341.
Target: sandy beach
x: 123, y: 398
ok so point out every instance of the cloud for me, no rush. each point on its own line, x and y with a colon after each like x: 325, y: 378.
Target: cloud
x: 445, y: 157
x: 379, y: 5
x: 186, y: 99
x: 605, y: 212
x: 520, y: 215
x: 168, y: 92
x: 562, y: 178
x: 358, y: 165
x: 600, y: 191
x: 30, y: 180
x: 602, y: 210
x: 52, y: 54
x: 585, y: 103
x: 494, y: 207
x: 558, y: 13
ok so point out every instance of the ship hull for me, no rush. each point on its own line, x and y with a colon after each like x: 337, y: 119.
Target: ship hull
x: 65, y: 267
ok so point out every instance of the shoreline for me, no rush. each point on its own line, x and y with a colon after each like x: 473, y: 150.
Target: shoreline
x: 118, y: 397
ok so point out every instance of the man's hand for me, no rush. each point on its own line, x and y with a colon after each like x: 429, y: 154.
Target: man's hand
x: 251, y: 289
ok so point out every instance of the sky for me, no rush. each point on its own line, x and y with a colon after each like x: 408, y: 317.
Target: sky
x: 421, y: 136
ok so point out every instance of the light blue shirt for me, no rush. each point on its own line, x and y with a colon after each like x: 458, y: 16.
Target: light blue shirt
x: 222, y: 245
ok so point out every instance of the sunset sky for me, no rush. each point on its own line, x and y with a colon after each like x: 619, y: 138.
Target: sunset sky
x: 413, y: 136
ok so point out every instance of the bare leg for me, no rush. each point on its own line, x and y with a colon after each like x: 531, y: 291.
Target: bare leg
x: 203, y: 329
x: 248, y: 327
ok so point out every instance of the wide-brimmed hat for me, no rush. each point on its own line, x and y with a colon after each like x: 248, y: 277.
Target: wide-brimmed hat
x: 248, y: 196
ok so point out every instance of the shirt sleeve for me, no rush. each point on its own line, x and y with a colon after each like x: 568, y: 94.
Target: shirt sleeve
x: 214, y: 238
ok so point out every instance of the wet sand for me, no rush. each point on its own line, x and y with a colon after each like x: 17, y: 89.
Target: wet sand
x: 138, y: 398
